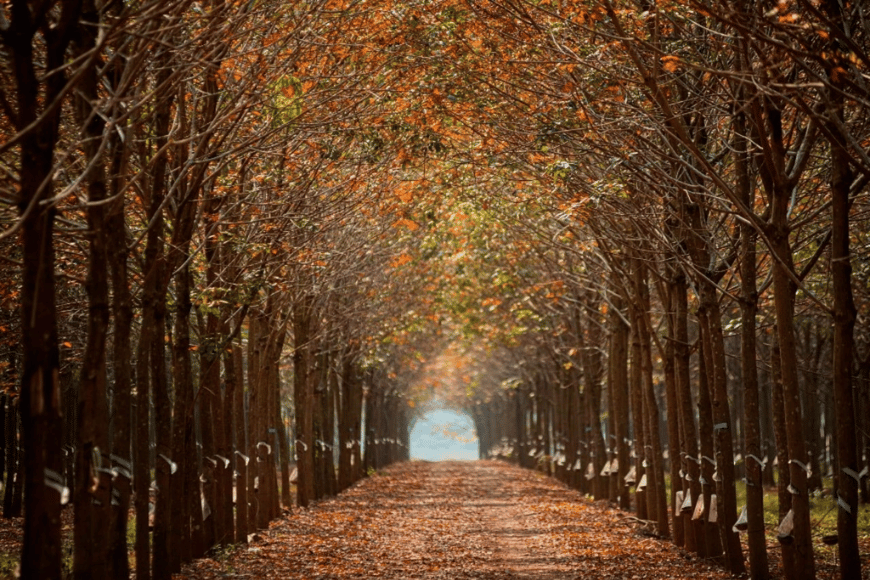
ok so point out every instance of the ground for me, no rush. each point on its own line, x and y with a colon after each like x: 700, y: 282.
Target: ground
x: 456, y: 520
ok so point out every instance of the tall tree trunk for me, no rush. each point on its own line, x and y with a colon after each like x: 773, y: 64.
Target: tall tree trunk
x: 210, y: 427
x: 303, y: 400
x: 754, y: 456
x: 284, y: 451
x: 572, y: 437
x: 784, y: 295
x: 150, y: 363
x: 690, y: 458
x: 40, y: 395
x: 637, y: 397
x: 122, y: 355
x: 588, y: 340
x: 320, y: 391
x: 209, y: 395
x: 273, y: 414
x: 40, y: 410
x: 261, y: 446
x: 345, y: 422
x: 225, y: 451
x: 5, y: 403
x: 768, y: 440
x: 242, y: 460
x: 656, y: 496
x: 782, y: 456
x: 151, y: 360
x: 141, y: 445
x: 329, y: 428
x: 722, y: 431
x: 368, y: 428
x: 673, y: 416
x: 92, y: 495
x: 357, y: 429
x: 187, y: 518
x: 812, y: 344
x: 618, y: 390
x: 712, y: 540
x: 848, y: 466
x: 165, y: 467
x: 752, y: 448
x: 187, y: 500
x: 13, y: 456
x: 863, y: 416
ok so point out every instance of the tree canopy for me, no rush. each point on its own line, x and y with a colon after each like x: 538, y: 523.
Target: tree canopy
x: 630, y: 238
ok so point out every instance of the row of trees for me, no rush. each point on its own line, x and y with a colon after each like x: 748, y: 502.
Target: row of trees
x: 190, y: 192
x: 708, y: 172
x: 633, y: 211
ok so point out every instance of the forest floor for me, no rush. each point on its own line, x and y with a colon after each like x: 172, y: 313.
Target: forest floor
x: 456, y: 520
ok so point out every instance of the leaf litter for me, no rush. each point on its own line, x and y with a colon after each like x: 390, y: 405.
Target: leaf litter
x: 455, y: 520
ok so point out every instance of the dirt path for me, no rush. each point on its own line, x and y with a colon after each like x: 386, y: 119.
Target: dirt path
x: 455, y: 520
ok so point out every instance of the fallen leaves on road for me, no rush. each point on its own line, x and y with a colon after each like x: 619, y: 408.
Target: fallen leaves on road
x: 456, y: 520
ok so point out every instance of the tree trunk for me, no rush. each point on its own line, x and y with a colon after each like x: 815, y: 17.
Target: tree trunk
x: 811, y: 347
x: 673, y: 416
x: 284, y: 453
x: 690, y: 458
x: 209, y: 395
x: 242, y: 460
x: 722, y: 431
x: 13, y: 456
x: 40, y: 411
x: 618, y: 390
x: 592, y: 387
x: 277, y: 337
x: 345, y: 420
x: 847, y: 476
x: 752, y: 448
x: 92, y: 494
x: 329, y: 429
x: 863, y: 416
x: 303, y: 400
x: 165, y: 467
x: 637, y: 397
x: 656, y: 496
x: 122, y: 355
x: 5, y: 403
x: 319, y: 412
x: 712, y: 540
x: 784, y: 294
x: 225, y: 451
x: 768, y: 440
x: 782, y: 455
x: 186, y: 511
x: 753, y: 454
x: 208, y: 401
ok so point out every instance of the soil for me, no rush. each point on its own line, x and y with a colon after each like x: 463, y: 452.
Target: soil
x: 456, y: 520
x: 452, y: 520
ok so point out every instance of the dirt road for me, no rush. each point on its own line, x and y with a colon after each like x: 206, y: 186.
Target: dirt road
x: 455, y: 520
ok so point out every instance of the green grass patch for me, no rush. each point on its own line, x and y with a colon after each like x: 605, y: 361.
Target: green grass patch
x: 823, y: 510
x: 8, y: 564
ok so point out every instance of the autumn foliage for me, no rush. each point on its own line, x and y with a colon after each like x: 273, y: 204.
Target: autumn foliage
x: 243, y: 240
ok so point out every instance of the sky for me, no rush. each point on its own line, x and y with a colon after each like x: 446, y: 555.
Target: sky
x: 442, y: 434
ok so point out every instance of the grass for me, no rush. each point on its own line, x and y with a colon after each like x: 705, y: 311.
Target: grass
x: 823, y: 511
x: 8, y: 564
